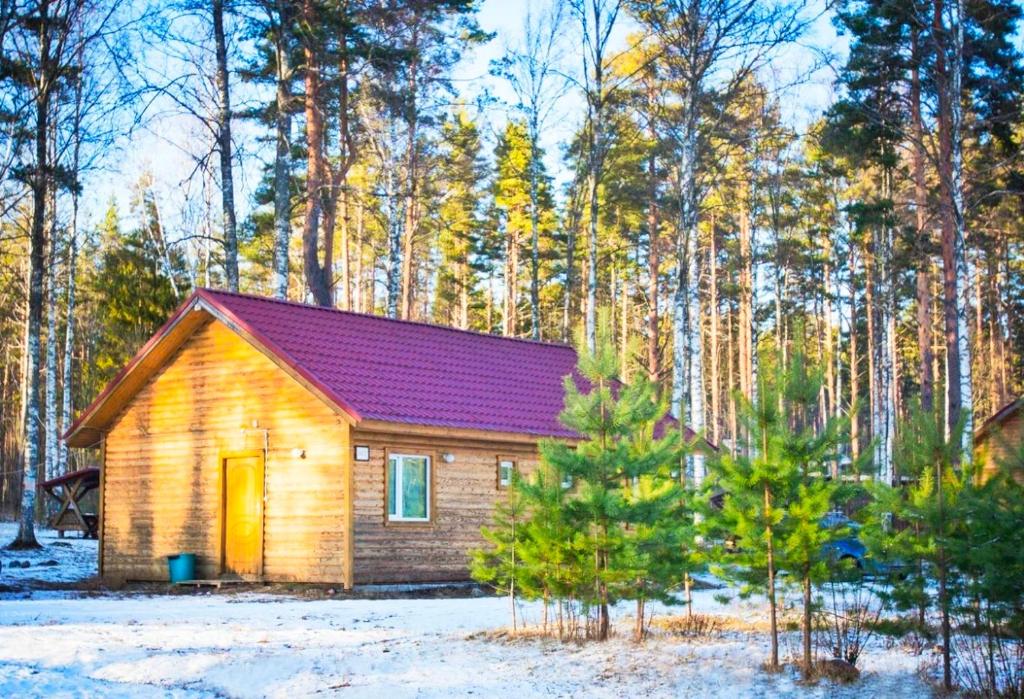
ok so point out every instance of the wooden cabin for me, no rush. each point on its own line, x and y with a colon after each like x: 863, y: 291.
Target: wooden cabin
x: 285, y: 442
x: 999, y: 442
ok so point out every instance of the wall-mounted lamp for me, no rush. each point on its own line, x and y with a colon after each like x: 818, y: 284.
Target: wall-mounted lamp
x: 299, y: 453
x: 447, y: 457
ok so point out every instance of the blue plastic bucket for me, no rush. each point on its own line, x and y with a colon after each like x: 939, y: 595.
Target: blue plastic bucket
x: 181, y: 566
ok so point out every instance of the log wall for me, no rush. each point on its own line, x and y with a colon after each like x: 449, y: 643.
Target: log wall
x: 462, y: 500
x: 1003, y: 447
x: 163, y: 474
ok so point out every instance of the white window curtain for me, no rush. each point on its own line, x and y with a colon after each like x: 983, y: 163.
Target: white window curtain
x: 409, y: 488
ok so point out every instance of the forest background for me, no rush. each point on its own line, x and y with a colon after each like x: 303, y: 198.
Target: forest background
x: 722, y: 175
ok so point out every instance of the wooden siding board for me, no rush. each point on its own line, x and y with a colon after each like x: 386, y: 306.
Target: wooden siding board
x: 462, y: 502
x: 162, y: 489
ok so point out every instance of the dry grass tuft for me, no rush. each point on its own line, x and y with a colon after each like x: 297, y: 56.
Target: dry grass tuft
x: 690, y: 625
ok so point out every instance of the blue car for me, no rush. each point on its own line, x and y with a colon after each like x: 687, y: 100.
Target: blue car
x: 850, y: 549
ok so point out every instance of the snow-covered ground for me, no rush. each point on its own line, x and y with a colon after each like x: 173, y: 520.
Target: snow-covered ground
x: 59, y: 560
x: 61, y: 644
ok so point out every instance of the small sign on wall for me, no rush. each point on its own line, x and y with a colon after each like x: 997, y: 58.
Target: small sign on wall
x: 362, y: 453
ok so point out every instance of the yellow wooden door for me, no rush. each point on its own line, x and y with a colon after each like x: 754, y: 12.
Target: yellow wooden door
x: 243, y: 516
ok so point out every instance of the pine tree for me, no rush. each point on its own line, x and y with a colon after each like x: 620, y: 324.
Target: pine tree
x: 516, y: 162
x: 988, y: 554
x: 932, y: 510
x: 776, y: 493
x: 459, y: 219
x: 616, y: 422
x: 499, y: 564
x: 604, y: 519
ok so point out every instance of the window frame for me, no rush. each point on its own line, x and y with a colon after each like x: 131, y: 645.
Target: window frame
x: 411, y: 454
x: 497, y: 476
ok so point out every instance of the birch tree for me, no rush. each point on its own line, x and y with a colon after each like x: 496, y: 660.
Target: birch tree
x: 713, y: 44
x: 597, y: 20
x: 532, y: 70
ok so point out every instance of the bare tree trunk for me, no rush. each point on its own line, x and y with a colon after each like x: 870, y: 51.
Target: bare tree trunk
x: 746, y: 306
x: 316, y: 279
x: 282, y: 155
x: 923, y: 286
x: 653, y: 269
x: 50, y: 456
x: 597, y: 19
x: 534, y: 230
x: 826, y: 329
x: 67, y: 396
x: 26, y: 537
x: 510, y: 320
x: 591, y: 318
x: 393, y: 260
x: 872, y: 341
x: 730, y: 353
x: 966, y: 406
x: 411, y: 183
x: 716, y: 405
x: 357, y: 299
x: 854, y: 363
x: 570, y: 266
x: 346, y: 263
x: 227, y: 181
x: 950, y: 267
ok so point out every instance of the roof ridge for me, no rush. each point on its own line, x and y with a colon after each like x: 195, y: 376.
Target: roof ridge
x: 374, y: 316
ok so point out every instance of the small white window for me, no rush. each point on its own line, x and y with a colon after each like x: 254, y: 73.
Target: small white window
x: 408, y: 488
x: 505, y: 469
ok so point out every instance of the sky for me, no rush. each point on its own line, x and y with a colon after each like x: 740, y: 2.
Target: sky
x: 157, y: 147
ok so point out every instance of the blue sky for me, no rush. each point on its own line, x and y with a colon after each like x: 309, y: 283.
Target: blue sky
x: 158, y: 148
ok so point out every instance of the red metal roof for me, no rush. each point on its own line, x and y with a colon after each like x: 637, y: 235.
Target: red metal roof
x: 399, y: 371
x: 377, y: 368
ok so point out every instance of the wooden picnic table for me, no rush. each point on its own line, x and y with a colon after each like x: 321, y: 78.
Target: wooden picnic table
x: 68, y: 490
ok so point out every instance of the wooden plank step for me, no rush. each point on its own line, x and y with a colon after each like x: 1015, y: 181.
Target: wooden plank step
x: 209, y: 583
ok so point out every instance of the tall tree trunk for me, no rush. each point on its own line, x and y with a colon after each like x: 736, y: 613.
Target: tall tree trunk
x: 50, y: 439
x: 870, y: 349
x: 950, y: 288
x: 357, y: 299
x: 826, y: 329
x: 624, y: 329
x: 346, y: 262
x: 854, y: 362
x: 570, y: 267
x: 67, y: 395
x: 534, y: 229
x: 510, y: 324
x: 591, y: 317
x: 282, y: 155
x: 689, y: 350
x: 26, y: 537
x: 716, y: 403
x: 962, y: 273
x: 316, y: 277
x: 746, y: 304
x: 411, y: 182
x: 923, y: 285
x: 393, y: 261
x: 653, y: 269
x: 227, y: 181
x: 730, y: 377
